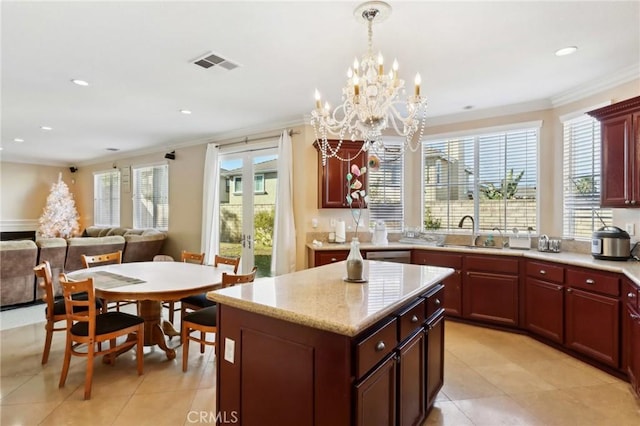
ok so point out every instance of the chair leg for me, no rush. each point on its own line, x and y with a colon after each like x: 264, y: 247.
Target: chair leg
x: 88, y: 379
x: 47, y: 342
x: 202, y: 336
x: 112, y: 355
x: 65, y: 363
x: 185, y: 345
x: 140, y: 349
x: 171, y: 308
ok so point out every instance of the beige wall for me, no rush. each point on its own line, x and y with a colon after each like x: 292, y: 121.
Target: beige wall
x: 25, y: 187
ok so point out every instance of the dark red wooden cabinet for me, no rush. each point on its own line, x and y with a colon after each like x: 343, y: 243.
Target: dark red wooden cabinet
x: 452, y: 284
x: 631, y: 334
x: 332, y: 177
x: 544, y: 300
x: 620, y: 128
x: 491, y: 289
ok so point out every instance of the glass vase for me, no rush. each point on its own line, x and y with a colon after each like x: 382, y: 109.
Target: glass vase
x: 355, y: 263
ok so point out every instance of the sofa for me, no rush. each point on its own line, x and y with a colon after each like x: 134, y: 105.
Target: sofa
x: 17, y: 280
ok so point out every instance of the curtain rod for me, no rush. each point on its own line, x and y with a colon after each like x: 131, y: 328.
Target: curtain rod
x: 247, y: 139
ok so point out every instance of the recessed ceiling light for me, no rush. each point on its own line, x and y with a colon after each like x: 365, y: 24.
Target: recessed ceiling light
x: 79, y: 82
x: 113, y: 149
x: 185, y: 111
x: 467, y: 107
x: 566, y: 51
x: 46, y: 128
x: 19, y: 140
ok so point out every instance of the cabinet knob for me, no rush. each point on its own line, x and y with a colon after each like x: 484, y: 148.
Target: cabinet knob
x: 631, y: 295
x: 333, y: 259
x: 626, y: 201
x: 414, y: 319
x: 437, y: 302
x: 589, y: 281
x: 559, y: 288
x: 633, y: 201
x: 542, y: 272
x: 380, y: 346
x: 569, y: 290
x: 458, y: 272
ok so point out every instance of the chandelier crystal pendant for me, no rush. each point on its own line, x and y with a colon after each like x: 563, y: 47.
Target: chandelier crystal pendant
x: 371, y: 101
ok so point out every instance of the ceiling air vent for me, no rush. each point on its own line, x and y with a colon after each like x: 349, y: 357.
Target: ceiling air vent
x: 211, y: 60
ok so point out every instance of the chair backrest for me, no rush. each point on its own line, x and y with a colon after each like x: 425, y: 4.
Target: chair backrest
x: 229, y: 280
x: 102, y: 259
x: 234, y: 261
x: 190, y: 257
x: 79, y: 310
x: 43, y: 270
x: 162, y: 258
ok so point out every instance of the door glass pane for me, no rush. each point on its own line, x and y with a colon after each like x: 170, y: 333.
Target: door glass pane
x: 265, y: 178
x: 231, y: 203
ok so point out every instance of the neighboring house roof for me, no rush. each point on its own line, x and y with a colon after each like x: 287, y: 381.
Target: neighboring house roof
x: 264, y: 167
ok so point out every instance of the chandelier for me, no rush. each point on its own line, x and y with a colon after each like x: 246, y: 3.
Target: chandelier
x: 371, y: 101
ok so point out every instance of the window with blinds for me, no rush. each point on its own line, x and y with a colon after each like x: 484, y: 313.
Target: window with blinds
x: 581, y: 178
x: 151, y: 197
x: 106, y: 198
x: 492, y: 177
x: 385, y: 191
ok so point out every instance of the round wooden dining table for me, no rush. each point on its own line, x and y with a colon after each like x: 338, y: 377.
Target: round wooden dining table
x: 151, y: 283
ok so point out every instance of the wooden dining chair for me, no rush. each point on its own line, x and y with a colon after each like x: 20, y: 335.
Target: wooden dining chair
x: 204, y: 320
x: 200, y: 301
x: 86, y: 328
x: 105, y: 259
x: 187, y: 257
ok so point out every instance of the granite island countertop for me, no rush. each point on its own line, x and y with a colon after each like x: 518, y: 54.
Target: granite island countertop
x: 320, y: 298
x: 630, y: 268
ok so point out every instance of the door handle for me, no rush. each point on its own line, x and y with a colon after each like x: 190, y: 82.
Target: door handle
x: 242, y: 240
x: 248, y: 241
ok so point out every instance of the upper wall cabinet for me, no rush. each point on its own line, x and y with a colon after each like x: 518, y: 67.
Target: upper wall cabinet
x: 620, y: 124
x: 332, y: 177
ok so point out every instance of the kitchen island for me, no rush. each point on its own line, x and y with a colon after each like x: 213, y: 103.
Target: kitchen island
x: 307, y: 348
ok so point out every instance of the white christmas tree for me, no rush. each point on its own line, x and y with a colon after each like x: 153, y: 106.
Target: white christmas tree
x: 60, y: 217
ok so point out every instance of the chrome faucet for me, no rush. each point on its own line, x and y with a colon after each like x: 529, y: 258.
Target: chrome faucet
x: 474, y: 237
x: 505, y: 243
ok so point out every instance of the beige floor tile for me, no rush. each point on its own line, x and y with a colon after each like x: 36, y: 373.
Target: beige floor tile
x: 10, y: 383
x: 40, y: 388
x: 95, y: 412
x: 155, y: 409
x: 446, y: 413
x: 26, y: 414
x: 462, y: 382
x: 496, y: 410
x: 512, y: 378
x: 612, y: 401
x: 563, y: 375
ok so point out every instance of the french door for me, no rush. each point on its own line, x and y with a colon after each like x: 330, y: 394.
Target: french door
x: 247, y: 207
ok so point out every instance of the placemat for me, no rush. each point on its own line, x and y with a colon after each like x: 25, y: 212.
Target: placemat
x: 107, y: 280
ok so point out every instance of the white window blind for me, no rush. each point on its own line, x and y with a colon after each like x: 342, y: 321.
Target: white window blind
x: 581, y: 178
x: 385, y: 191
x: 492, y: 177
x: 106, y: 198
x: 151, y: 197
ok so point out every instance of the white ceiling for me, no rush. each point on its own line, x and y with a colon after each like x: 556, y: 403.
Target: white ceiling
x: 137, y: 58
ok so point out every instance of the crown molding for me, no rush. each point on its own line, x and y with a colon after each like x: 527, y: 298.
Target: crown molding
x: 593, y: 87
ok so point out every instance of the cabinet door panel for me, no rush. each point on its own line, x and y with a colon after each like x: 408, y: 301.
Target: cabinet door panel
x: 615, y: 161
x: 332, y: 177
x: 435, y: 359
x: 491, y: 297
x: 593, y: 325
x: 544, y: 310
x: 411, y: 381
x: 633, y: 366
x: 375, y: 396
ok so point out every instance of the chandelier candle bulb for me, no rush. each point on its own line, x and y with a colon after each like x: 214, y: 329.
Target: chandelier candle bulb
x: 380, y: 64
x: 418, y: 80
x: 356, y: 88
x: 318, y: 103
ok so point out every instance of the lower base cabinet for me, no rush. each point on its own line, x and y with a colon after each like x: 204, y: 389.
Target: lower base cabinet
x: 434, y: 358
x: 411, y: 380
x: 544, y: 309
x: 375, y: 396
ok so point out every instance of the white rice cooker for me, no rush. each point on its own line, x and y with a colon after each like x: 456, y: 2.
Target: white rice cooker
x: 611, y: 243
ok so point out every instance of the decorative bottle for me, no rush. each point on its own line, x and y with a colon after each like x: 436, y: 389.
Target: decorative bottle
x: 355, y: 263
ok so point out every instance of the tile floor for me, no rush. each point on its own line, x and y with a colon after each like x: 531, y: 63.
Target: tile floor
x: 491, y: 378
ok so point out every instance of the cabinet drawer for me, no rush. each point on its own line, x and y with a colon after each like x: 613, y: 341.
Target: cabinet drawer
x: 545, y: 271
x: 372, y: 349
x: 410, y: 319
x: 326, y: 257
x: 434, y: 300
x: 500, y: 264
x: 593, y: 281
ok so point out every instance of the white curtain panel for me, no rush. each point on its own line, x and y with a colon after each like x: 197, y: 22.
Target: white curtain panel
x: 210, y: 244
x: 283, y: 259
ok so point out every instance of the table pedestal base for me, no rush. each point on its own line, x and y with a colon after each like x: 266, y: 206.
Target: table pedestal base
x: 150, y: 311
